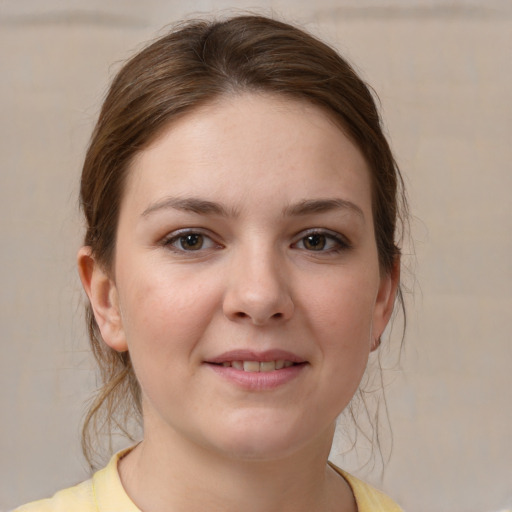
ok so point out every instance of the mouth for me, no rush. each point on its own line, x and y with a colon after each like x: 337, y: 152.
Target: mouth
x: 258, y: 366
x: 258, y: 371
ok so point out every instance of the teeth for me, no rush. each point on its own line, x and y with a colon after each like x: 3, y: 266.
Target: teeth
x: 251, y: 366
x: 267, y: 366
x: 257, y: 366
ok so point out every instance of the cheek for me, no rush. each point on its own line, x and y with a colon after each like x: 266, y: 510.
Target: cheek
x: 164, y: 321
x: 344, y: 303
x: 166, y: 312
x: 341, y: 318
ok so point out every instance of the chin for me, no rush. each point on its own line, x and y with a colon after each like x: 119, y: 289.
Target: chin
x: 263, y: 440
x: 259, y: 449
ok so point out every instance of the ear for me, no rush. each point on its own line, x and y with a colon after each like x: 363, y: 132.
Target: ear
x: 385, y: 302
x: 104, y: 299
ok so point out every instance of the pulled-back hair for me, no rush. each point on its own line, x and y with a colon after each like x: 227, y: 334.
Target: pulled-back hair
x: 194, y: 64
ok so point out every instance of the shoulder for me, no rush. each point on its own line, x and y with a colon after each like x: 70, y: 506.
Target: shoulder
x: 79, y: 498
x: 368, y: 498
x: 104, y: 491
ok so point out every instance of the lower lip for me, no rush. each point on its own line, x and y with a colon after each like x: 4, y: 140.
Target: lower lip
x: 259, y: 381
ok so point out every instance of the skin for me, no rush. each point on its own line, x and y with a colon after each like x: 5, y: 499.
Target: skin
x: 261, y: 280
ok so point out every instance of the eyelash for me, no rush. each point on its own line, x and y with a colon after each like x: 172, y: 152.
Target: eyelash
x: 179, y: 236
x: 340, y: 242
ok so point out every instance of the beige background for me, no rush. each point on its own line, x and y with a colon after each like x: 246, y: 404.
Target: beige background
x: 443, y: 73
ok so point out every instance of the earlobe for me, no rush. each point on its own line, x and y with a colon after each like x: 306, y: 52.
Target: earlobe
x: 375, y: 344
x: 103, y: 296
x: 385, y: 302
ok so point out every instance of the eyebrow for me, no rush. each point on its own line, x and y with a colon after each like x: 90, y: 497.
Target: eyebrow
x: 189, y: 204
x: 205, y: 207
x: 309, y: 206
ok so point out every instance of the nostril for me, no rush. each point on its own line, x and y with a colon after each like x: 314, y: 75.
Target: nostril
x: 257, y: 308
x: 242, y: 315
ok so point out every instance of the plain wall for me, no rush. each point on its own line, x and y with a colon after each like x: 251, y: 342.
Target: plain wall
x: 444, y: 77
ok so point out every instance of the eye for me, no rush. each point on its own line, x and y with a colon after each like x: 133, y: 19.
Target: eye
x: 315, y: 242
x: 322, y: 241
x: 189, y: 241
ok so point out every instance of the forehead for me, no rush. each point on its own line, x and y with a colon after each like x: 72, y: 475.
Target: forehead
x: 248, y: 145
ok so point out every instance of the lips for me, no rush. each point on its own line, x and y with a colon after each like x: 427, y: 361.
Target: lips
x: 258, y: 370
x: 251, y: 361
x: 258, y: 366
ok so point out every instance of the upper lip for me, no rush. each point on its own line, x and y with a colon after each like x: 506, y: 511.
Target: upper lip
x: 251, y: 355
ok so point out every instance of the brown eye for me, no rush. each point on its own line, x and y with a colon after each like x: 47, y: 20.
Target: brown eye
x: 314, y: 242
x: 322, y: 241
x: 191, y: 242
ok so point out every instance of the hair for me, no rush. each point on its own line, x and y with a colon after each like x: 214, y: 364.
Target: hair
x: 194, y: 64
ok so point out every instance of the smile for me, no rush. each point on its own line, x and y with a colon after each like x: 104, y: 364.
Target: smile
x: 258, y: 371
x: 258, y: 366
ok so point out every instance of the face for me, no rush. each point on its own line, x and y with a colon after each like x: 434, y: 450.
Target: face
x: 246, y: 283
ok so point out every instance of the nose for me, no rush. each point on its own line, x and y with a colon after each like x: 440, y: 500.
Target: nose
x: 258, y: 289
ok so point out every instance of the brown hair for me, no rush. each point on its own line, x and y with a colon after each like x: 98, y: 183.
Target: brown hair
x: 196, y: 63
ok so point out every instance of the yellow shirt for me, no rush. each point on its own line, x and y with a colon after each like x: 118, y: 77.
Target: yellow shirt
x: 105, y: 493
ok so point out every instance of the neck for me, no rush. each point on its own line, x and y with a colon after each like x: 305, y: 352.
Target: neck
x: 169, y: 473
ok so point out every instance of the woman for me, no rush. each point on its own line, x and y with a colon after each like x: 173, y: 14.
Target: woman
x: 240, y: 263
